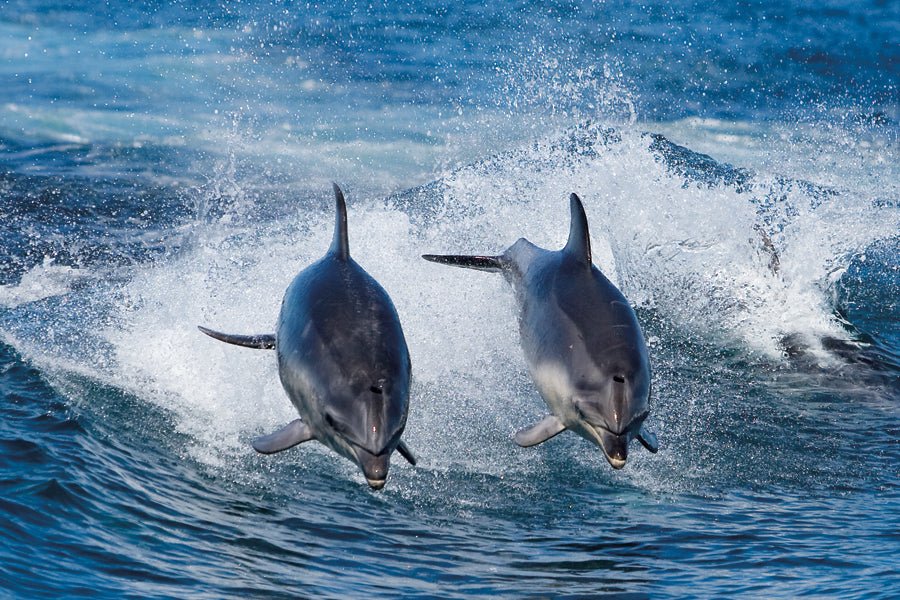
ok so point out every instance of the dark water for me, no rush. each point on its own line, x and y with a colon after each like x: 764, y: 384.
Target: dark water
x: 164, y: 165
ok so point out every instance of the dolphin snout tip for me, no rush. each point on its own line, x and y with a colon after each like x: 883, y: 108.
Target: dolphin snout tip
x: 615, y: 448
x: 615, y: 462
x: 375, y: 469
x: 376, y: 484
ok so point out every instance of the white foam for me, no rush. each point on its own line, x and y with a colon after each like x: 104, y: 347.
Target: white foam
x: 689, y: 251
x: 45, y: 280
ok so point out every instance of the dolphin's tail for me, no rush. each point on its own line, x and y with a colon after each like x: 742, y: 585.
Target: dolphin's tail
x: 263, y: 341
x: 493, y: 264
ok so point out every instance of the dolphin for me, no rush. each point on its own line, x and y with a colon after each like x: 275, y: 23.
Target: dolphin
x: 582, y: 342
x: 342, y: 359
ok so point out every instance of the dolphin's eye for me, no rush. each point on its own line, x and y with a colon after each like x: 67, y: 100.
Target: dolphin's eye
x: 376, y: 389
x: 619, y: 378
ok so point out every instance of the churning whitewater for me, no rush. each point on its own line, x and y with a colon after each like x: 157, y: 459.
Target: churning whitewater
x: 169, y: 166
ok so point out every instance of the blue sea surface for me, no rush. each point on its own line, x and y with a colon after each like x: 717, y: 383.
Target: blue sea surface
x: 168, y: 164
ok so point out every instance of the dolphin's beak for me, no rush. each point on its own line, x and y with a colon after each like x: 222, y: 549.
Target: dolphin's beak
x: 376, y: 484
x: 615, y: 447
x: 374, y: 468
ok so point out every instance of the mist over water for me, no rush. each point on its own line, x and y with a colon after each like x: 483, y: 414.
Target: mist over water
x: 170, y: 166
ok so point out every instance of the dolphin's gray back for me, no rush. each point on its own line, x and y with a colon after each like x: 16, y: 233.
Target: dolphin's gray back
x: 604, y: 317
x: 342, y: 355
x: 572, y: 315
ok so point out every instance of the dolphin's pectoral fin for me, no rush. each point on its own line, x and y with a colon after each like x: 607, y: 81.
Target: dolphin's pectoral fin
x: 648, y: 440
x: 492, y: 264
x: 295, y: 432
x: 405, y: 452
x: 262, y: 341
x: 541, y: 431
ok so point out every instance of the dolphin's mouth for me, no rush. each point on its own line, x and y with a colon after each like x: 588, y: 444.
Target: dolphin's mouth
x: 375, y: 467
x: 376, y: 484
x: 615, y: 463
x: 614, y: 446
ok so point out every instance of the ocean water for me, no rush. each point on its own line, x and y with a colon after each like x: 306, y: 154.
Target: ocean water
x: 164, y: 165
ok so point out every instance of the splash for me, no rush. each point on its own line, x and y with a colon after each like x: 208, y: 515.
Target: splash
x: 717, y: 255
x: 727, y: 254
x: 42, y: 281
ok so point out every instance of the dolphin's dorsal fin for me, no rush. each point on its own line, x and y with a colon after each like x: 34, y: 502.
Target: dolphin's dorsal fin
x: 579, y: 244
x: 340, y: 245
